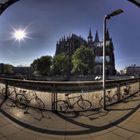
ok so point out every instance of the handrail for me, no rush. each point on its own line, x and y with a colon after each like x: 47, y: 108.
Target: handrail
x: 64, y: 85
x: 54, y: 91
x: 67, y: 82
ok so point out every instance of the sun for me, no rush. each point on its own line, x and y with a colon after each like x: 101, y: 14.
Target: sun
x: 20, y: 34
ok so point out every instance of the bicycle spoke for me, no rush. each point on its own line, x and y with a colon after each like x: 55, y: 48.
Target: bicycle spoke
x: 21, y: 101
x: 61, y: 105
x: 84, y: 104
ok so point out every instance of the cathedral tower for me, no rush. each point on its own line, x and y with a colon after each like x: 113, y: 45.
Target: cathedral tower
x: 90, y: 39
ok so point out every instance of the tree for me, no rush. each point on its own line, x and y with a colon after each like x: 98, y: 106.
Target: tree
x: 8, y: 69
x: 60, y: 64
x: 42, y: 65
x: 82, y: 61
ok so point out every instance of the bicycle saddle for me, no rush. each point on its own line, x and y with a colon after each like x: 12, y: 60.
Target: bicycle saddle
x: 23, y: 91
x: 67, y: 94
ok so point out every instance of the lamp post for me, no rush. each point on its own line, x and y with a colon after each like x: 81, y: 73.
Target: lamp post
x: 69, y: 61
x: 107, y: 17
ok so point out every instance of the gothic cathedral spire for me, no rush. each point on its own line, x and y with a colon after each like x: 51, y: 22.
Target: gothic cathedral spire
x: 96, y: 37
x: 90, y: 38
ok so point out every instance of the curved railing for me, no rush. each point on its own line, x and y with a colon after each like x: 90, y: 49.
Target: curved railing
x: 65, y: 96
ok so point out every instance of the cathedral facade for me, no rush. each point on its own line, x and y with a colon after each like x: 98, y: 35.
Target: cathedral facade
x: 69, y: 45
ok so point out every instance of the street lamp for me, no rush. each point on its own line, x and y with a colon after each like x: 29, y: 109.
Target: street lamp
x: 69, y: 60
x: 107, y: 17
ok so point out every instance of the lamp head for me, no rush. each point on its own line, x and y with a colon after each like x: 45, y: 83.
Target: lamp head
x: 114, y: 13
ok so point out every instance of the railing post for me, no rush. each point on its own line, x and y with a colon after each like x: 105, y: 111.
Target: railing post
x: 54, y: 98
x: 6, y: 89
x: 139, y: 85
x: 119, y: 92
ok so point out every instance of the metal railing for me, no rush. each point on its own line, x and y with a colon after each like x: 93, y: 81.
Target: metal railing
x: 65, y: 96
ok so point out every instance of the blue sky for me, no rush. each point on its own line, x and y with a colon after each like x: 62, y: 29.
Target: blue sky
x: 48, y: 20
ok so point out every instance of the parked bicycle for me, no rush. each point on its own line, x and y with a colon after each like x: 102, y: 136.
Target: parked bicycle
x: 17, y: 98
x: 5, y: 93
x: 65, y: 105
x: 109, y: 98
x: 126, y: 91
x: 23, y: 99
x: 34, y: 102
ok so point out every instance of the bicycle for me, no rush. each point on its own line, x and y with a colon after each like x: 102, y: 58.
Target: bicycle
x: 34, y: 102
x: 5, y: 93
x: 64, y: 105
x: 110, y: 99
x: 126, y: 90
x: 18, y: 98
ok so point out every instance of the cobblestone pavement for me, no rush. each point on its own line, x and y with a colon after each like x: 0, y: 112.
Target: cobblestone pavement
x: 119, y: 122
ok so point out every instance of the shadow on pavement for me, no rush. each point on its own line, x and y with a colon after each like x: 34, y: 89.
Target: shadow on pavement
x: 86, y: 127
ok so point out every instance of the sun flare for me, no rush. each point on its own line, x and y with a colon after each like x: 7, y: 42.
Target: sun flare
x: 20, y: 34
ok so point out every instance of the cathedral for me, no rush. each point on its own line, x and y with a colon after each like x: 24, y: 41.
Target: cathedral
x: 69, y: 45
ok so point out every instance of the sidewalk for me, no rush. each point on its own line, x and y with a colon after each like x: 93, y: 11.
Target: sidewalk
x: 120, y: 122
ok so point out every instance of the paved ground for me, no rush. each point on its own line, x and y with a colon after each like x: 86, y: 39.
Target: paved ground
x: 120, y: 122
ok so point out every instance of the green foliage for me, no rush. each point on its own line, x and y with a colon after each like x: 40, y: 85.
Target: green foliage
x: 60, y: 64
x: 83, y: 61
x: 8, y: 69
x: 42, y: 65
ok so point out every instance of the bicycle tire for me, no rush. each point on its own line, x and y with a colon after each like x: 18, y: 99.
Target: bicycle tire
x: 116, y: 97
x: 62, y: 106
x: 3, y: 92
x: 84, y: 104
x: 101, y: 101
x: 21, y: 101
x: 12, y: 95
x: 40, y: 103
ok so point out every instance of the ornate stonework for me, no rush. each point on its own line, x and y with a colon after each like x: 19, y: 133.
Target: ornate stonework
x: 70, y: 44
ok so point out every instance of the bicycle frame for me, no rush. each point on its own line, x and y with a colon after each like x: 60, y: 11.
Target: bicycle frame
x: 34, y: 96
x: 127, y: 89
x: 70, y: 98
x: 109, y: 96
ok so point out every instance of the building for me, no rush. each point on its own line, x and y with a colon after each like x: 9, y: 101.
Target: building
x: 69, y: 45
x: 132, y: 70
x: 20, y: 70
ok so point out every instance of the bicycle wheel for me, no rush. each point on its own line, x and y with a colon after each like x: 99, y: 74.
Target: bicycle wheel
x: 40, y: 104
x: 101, y: 101
x: 4, y: 94
x: 21, y: 101
x: 84, y: 104
x: 115, y: 97
x: 62, y: 105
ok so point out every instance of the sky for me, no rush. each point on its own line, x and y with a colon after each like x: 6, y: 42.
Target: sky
x: 46, y: 21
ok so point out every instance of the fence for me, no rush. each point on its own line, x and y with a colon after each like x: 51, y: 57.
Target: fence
x: 66, y: 96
